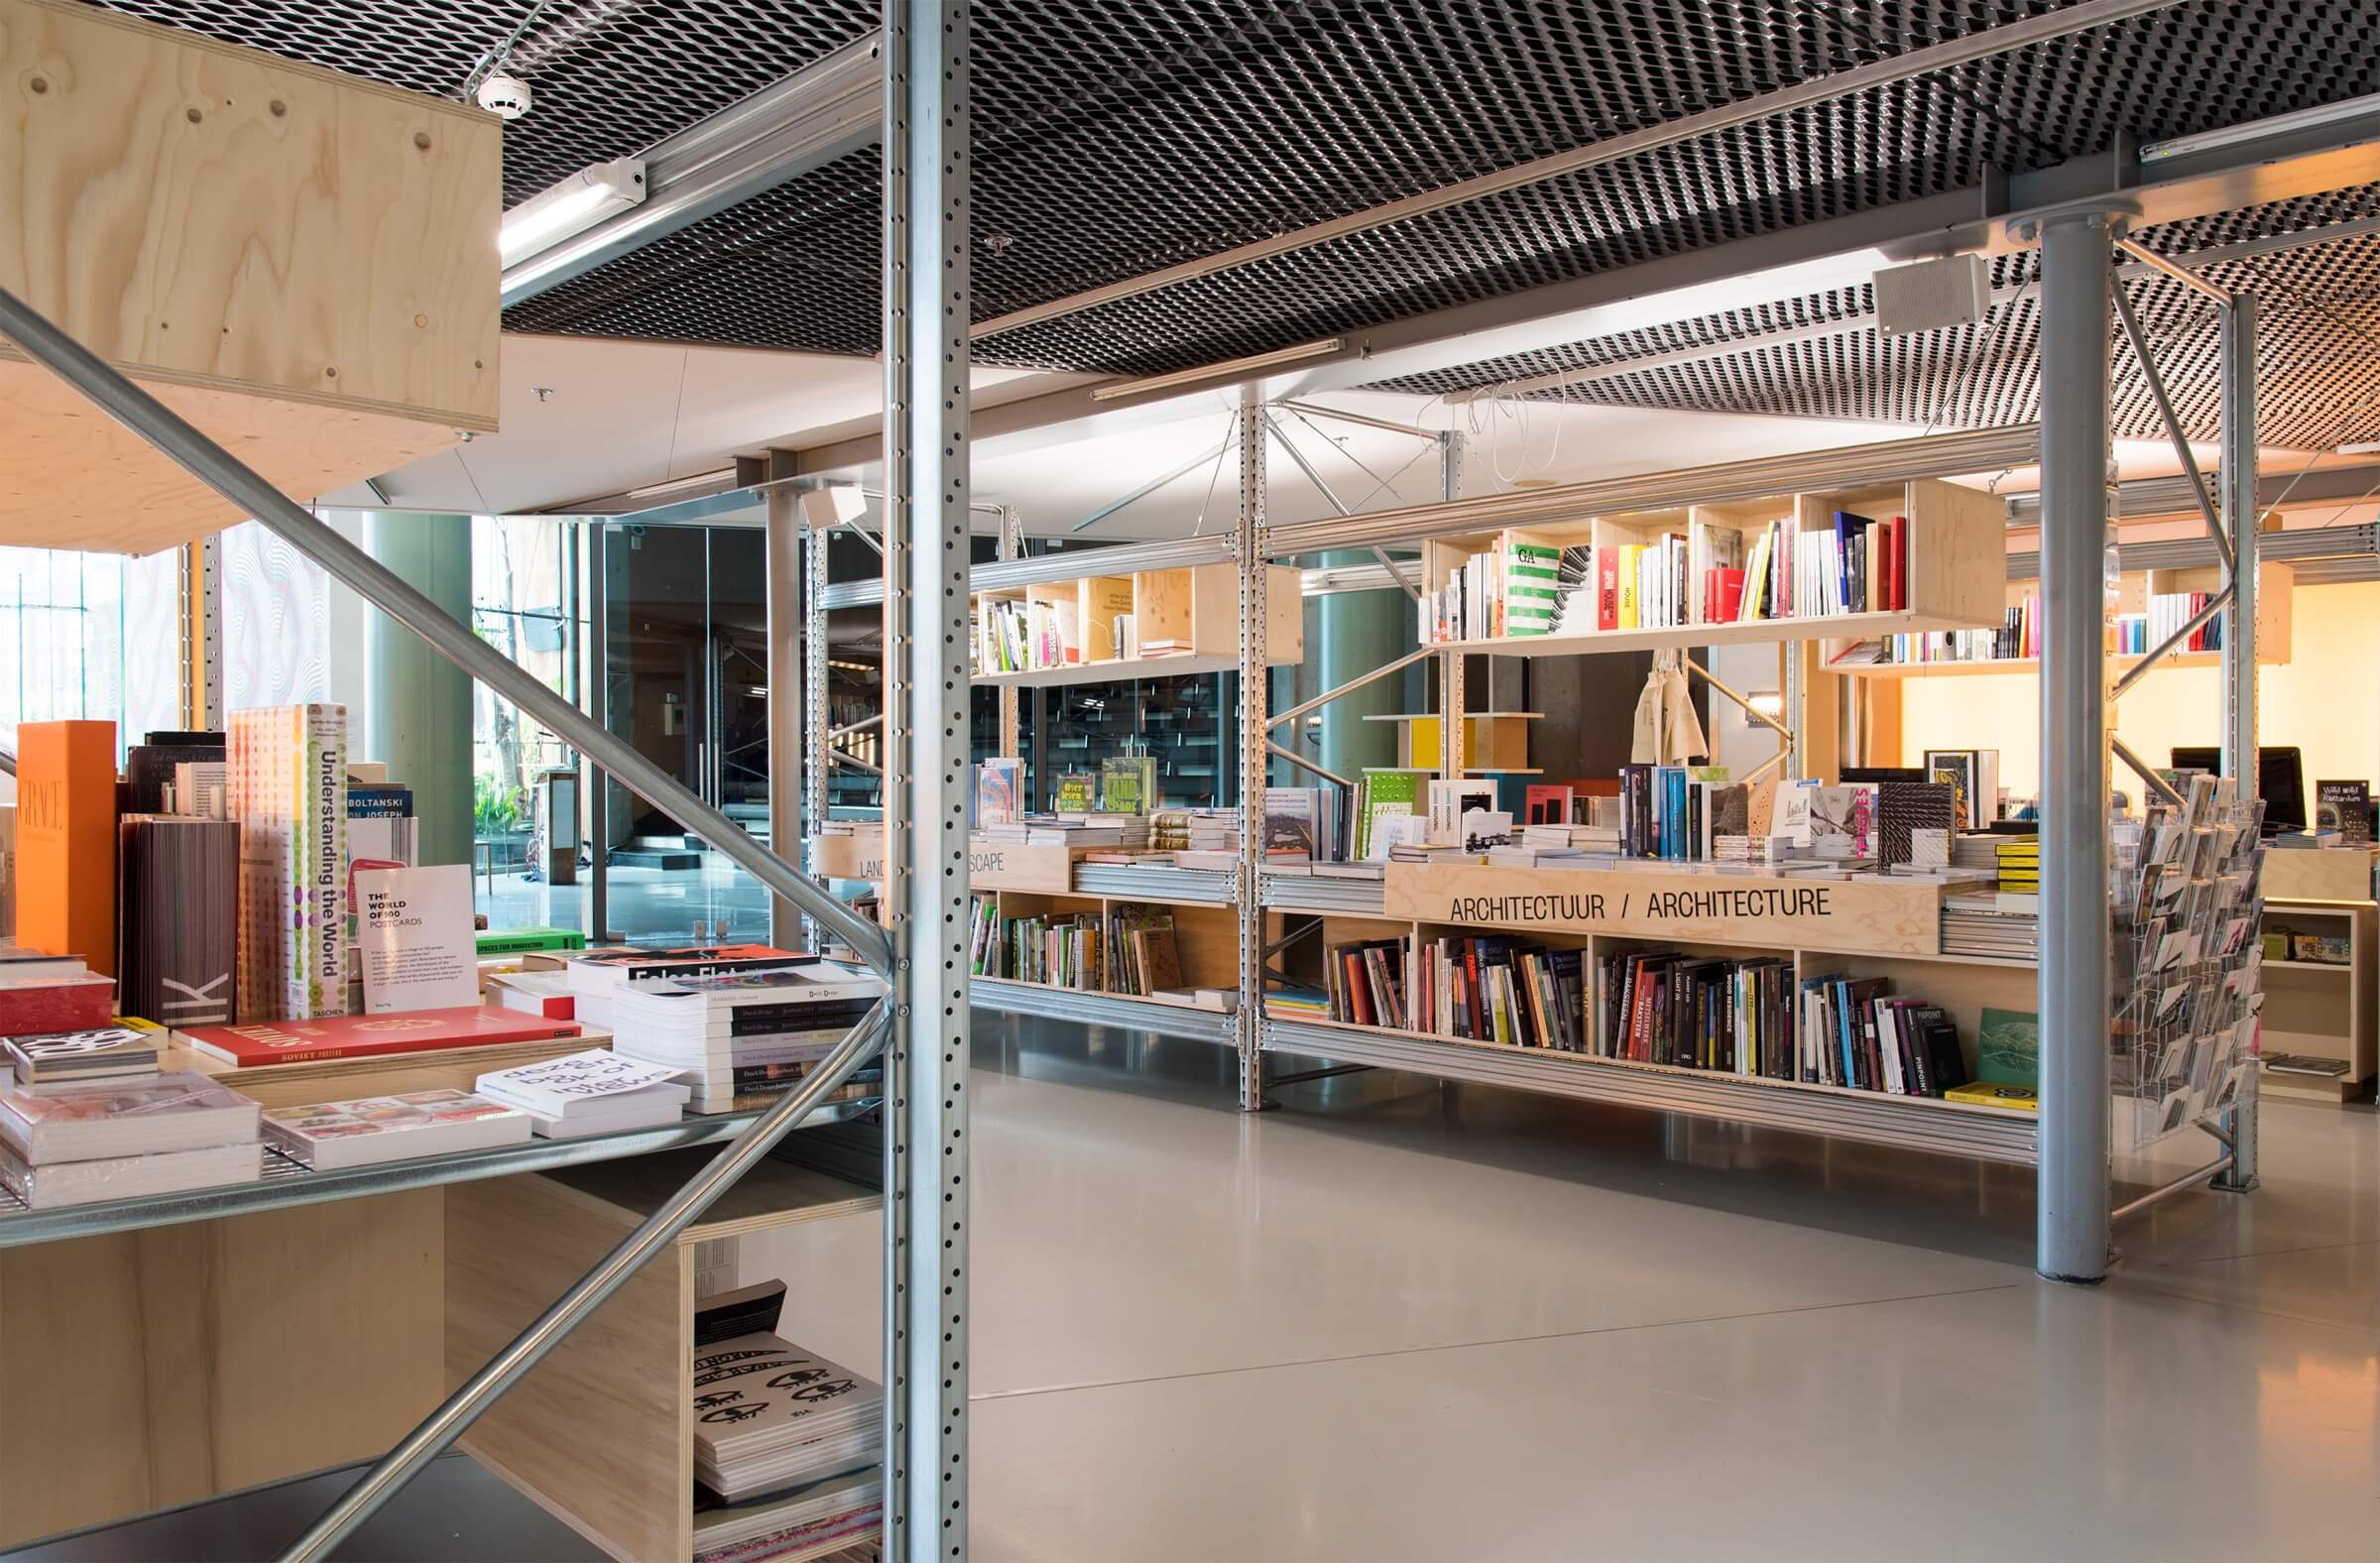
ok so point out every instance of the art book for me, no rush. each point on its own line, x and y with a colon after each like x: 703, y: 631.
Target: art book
x: 372, y: 1035
x: 81, y: 1058
x: 581, y: 1083
x: 367, y: 1131
x: 179, y: 885
x: 999, y: 792
x: 67, y: 840
x: 289, y: 795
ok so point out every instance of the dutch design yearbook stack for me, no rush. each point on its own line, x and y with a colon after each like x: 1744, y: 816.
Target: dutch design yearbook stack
x: 738, y: 1034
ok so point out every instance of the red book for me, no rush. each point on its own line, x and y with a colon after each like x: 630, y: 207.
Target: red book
x: 1896, y: 563
x: 1549, y: 805
x: 39, y: 1006
x: 1730, y: 597
x: 372, y: 1035
x: 1481, y: 1031
x: 1606, y: 587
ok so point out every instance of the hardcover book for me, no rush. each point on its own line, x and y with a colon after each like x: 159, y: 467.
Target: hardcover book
x: 179, y: 877
x: 289, y: 795
x: 2008, y: 1049
x: 150, y: 769
x: 999, y: 792
x: 371, y: 1035
x: 39, y: 1006
x: 67, y: 840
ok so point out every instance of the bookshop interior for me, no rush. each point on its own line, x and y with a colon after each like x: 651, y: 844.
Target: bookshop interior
x: 1750, y: 847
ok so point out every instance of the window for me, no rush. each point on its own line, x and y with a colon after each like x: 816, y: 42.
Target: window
x: 90, y: 636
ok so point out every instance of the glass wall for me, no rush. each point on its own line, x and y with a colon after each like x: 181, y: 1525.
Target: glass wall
x: 525, y: 604
x: 90, y: 636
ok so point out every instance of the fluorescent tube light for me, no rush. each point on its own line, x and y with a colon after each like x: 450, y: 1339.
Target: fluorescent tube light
x: 569, y: 206
x: 2348, y: 111
x: 1224, y: 371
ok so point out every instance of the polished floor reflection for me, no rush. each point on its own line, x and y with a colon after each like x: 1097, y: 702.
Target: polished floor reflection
x: 1393, y: 1320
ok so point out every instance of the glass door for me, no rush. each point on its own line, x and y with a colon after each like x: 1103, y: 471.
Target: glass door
x: 685, y: 670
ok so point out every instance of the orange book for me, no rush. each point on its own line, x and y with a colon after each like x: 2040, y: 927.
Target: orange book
x: 67, y: 840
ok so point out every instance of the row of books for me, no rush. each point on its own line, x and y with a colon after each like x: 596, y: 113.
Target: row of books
x: 1743, y: 1015
x: 1121, y: 784
x: 1528, y: 585
x: 2138, y: 634
x: 1022, y: 637
x: 1060, y: 950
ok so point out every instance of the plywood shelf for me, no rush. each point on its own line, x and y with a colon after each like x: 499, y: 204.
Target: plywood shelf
x: 601, y: 1432
x: 1113, y: 617
x: 299, y: 263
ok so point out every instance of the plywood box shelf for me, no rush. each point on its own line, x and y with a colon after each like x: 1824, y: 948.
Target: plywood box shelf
x: 601, y: 1433
x: 1957, y: 549
x: 299, y: 263
x: 1197, y: 608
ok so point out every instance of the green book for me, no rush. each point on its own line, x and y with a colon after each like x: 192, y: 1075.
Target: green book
x: 2008, y: 1048
x: 1403, y: 790
x: 525, y: 941
x: 1078, y: 793
x: 1127, y: 784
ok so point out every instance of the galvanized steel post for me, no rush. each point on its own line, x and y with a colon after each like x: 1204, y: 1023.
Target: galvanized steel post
x: 2241, y: 518
x: 2077, y: 277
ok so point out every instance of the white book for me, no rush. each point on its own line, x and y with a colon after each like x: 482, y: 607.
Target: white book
x: 770, y: 1413
x: 581, y: 1085
x: 414, y: 938
x: 640, y: 1112
x: 87, y: 1183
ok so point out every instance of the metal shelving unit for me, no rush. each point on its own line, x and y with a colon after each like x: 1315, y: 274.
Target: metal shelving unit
x: 923, y: 64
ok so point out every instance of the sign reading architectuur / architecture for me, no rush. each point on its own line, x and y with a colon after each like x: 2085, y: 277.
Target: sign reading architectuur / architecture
x: 1889, y: 918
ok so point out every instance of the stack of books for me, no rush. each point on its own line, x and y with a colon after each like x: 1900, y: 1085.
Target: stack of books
x: 40, y: 995
x: 597, y: 1092
x: 807, y: 1521
x: 367, y: 1131
x: 1603, y: 840
x: 732, y: 1039
x: 1211, y: 839
x: 1075, y: 831
x: 2018, y: 860
x: 769, y: 1415
x: 159, y: 1134
x: 1990, y: 924
x: 596, y: 976
x: 1298, y: 999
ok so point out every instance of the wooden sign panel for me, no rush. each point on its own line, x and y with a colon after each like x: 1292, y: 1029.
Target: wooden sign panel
x: 858, y: 856
x: 1006, y: 865
x: 1888, y: 917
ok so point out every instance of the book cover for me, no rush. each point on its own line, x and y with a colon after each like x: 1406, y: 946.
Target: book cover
x: 1450, y: 802
x: 1985, y: 1093
x: 38, y: 1006
x: 94, y: 1054
x: 1959, y: 767
x: 371, y: 1035
x: 179, y: 880
x: 1905, y: 808
x: 1127, y: 784
x: 999, y: 795
x: 1387, y: 793
x: 1077, y: 793
x: 67, y: 840
x: 363, y: 1131
x: 414, y: 939
x: 1606, y: 587
x: 1292, y: 821
x: 1548, y: 806
x: 587, y: 1082
x: 527, y: 941
x: 2008, y: 1048
x: 2346, y: 808
x: 289, y: 795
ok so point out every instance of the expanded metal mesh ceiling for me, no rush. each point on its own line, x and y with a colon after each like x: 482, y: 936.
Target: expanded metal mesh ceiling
x: 2319, y: 345
x: 1116, y: 137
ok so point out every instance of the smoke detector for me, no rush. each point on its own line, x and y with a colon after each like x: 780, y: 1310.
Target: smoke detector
x: 506, y: 97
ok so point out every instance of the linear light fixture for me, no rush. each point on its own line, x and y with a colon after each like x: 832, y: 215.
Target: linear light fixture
x: 570, y: 206
x: 2364, y: 109
x: 1223, y: 371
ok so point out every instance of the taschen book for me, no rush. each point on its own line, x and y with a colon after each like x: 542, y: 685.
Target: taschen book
x: 289, y: 795
x: 267, y: 1042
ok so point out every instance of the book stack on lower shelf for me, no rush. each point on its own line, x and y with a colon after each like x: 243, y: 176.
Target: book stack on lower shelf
x: 787, y: 1450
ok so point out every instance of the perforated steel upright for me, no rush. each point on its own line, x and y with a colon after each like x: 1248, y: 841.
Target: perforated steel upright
x: 926, y: 311
x: 1450, y: 703
x: 1249, y: 553
x: 2241, y: 518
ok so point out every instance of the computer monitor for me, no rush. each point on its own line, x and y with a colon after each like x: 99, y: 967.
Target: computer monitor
x: 2279, y: 782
